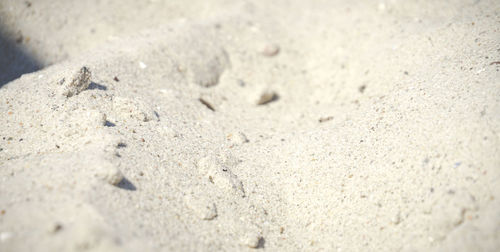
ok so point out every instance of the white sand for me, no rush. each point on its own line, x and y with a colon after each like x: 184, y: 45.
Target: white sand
x: 379, y: 128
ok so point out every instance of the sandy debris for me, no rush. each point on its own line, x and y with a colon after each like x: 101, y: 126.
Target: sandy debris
x: 238, y: 138
x: 270, y: 50
x: 201, y: 206
x: 231, y: 125
x: 109, y: 173
x: 266, y: 97
x: 220, y: 175
x: 127, y: 108
x: 78, y: 82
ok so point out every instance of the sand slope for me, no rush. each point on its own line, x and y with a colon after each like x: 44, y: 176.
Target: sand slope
x: 283, y: 126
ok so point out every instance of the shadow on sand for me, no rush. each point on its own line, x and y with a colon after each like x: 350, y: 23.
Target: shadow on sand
x: 14, y: 60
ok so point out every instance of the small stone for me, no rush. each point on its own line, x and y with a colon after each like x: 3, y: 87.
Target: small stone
x: 220, y: 175
x: 56, y: 227
x: 241, y: 83
x: 142, y: 65
x: 362, y: 88
x: 95, y: 118
x: 270, y: 50
x: 133, y: 108
x: 237, y: 138
x: 325, y: 119
x: 202, y: 207
x: 168, y: 131
x: 208, y: 66
x: 251, y: 239
x: 267, y: 97
x: 396, y: 219
x: 19, y: 39
x: 77, y: 83
x: 108, y: 172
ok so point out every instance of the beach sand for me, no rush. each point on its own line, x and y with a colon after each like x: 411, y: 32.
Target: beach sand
x: 249, y: 125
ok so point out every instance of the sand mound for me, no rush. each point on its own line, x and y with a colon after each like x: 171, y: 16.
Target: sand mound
x: 284, y: 126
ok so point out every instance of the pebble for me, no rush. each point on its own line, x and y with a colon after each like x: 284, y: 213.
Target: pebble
x: 77, y: 83
x: 251, y: 239
x: 237, y: 138
x: 168, y: 131
x: 208, y: 73
x: 267, y: 97
x: 127, y: 108
x: 142, y: 65
x: 108, y: 172
x: 80, y: 121
x: 206, y: 70
x: 396, y: 219
x: 203, y: 208
x: 220, y: 175
x: 96, y: 118
x: 325, y: 119
x: 55, y: 227
x: 270, y: 50
x: 241, y: 83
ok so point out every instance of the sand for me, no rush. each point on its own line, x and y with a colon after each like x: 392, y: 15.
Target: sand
x: 249, y: 125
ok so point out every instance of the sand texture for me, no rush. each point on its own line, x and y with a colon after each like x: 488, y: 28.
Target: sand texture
x: 249, y: 125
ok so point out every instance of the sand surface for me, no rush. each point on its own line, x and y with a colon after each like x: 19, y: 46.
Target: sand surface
x: 249, y: 125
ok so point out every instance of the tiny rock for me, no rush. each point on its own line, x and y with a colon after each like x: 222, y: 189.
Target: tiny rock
x: 95, y: 117
x: 270, y: 50
x: 202, y: 207
x: 109, y: 173
x: 237, y: 138
x: 251, y: 239
x: 220, y: 175
x: 267, y: 97
x: 206, y: 71
x: 325, y: 119
x: 55, y: 227
x: 77, y: 83
x: 128, y: 108
x: 396, y: 219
